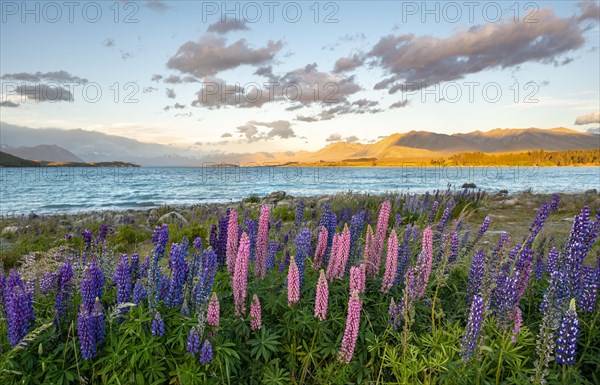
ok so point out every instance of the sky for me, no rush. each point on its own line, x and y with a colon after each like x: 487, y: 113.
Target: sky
x: 288, y: 76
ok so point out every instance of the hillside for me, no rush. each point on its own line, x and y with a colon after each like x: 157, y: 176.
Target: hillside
x: 8, y: 160
x: 51, y: 153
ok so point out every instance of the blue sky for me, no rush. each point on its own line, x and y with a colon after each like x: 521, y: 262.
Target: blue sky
x: 446, y: 72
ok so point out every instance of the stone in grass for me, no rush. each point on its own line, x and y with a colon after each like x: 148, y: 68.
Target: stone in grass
x: 469, y: 185
x: 173, y: 217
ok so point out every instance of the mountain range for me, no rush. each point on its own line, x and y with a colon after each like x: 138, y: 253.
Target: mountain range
x: 52, y: 144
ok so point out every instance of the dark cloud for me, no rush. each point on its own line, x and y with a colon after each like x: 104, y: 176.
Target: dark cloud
x: 399, y: 104
x: 589, y: 11
x: 352, y: 139
x: 157, y: 5
x: 156, y: 77
x: 148, y: 90
x: 278, y: 128
x: 171, y: 93
x: 348, y: 63
x: 592, y: 117
x: 308, y: 119
x: 174, y: 79
x: 334, y: 138
x: 45, y: 93
x: 211, y: 55
x: 8, y: 103
x: 226, y: 135
x: 228, y: 26
x: 56, y: 76
x: 108, y: 43
x: 178, y: 106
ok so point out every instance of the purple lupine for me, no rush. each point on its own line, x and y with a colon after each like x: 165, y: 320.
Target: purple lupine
x: 432, y: 212
x: 139, y: 292
x: 255, y: 314
x: 260, y: 264
x: 134, y: 261
x: 328, y: 220
x: 453, y: 247
x: 251, y: 230
x: 206, y: 353
x: 587, y: 300
x: 98, y: 321
x: 92, y: 284
x: 64, y: 293
x: 104, y: 230
x: 469, y: 341
x: 539, y: 260
x: 122, y: 280
x: 86, y: 333
x: 87, y: 238
x: 299, y: 213
x: 179, y: 269
x: 213, y: 239
x: 404, y: 253
x: 369, y: 251
x: 352, y: 328
x: 160, y: 238
x: 424, y: 262
x: 271, y: 253
x: 18, y: 303
x: 322, y: 297
x: 566, y: 344
x: 232, y: 241
x: 302, y: 244
x: 193, y: 342
x: 391, y: 264
x: 357, y: 224
x: 240, y: 275
x: 157, y: 326
x: 47, y: 282
x: 445, y: 217
x: 552, y: 263
x: 206, y: 279
x: 524, y: 266
x: 221, y: 249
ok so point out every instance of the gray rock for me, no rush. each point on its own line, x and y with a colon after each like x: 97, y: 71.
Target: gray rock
x: 469, y: 185
x: 275, y: 196
x: 172, y: 217
x: 10, y: 230
x: 591, y: 191
x: 503, y: 192
x: 123, y: 219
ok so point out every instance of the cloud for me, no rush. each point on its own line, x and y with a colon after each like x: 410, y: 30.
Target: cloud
x: 8, y: 103
x: 156, y: 77
x: 211, y: 55
x: 334, y: 138
x: 148, y: 90
x: 278, y: 128
x: 426, y: 60
x: 109, y: 43
x: 309, y: 119
x: 399, y: 104
x: 174, y: 79
x: 157, y: 5
x: 178, y: 106
x: 592, y: 117
x: 352, y: 139
x: 348, y: 63
x: 227, y: 135
x: 297, y: 86
x: 228, y: 26
x: 56, y: 76
x: 171, y: 93
x: 589, y: 11
x: 45, y: 93
x: 595, y: 130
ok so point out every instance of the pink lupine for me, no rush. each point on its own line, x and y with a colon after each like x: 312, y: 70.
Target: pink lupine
x: 322, y: 297
x: 255, y: 321
x: 517, y: 317
x: 352, y: 326
x: 357, y: 278
x: 391, y: 263
x: 212, y: 314
x: 372, y: 268
x: 340, y: 252
x: 232, y: 241
x: 293, y: 283
x: 321, y: 248
x: 333, y: 260
x: 260, y: 263
x: 240, y: 275
x: 382, y: 225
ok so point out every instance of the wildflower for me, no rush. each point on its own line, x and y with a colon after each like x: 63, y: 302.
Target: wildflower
x: 369, y: 252
x: 212, y: 314
x: 469, y: 341
x: 240, y: 275
x: 391, y: 263
x: 92, y: 284
x: 322, y: 297
x: 232, y: 241
x: 382, y: 225
x: 206, y: 353
x: 566, y: 344
x: 18, y: 304
x: 358, y: 278
x: 293, y: 283
x: 193, y: 342
x: 302, y: 243
x: 261, y: 243
x: 256, y: 321
x: 207, y: 277
x: 476, y: 274
x: 272, y: 251
x: 299, y: 213
x: 64, y: 293
x: 517, y: 317
x: 123, y: 280
x: 157, y: 325
x: 86, y: 333
x: 139, y: 292
x: 221, y: 245
x: 352, y: 327
x: 179, y: 270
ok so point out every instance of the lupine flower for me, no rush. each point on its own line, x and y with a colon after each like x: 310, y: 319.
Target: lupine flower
x: 445, y: 217
x: 179, y: 269
x: 139, y: 292
x: 453, y: 247
x: 92, y: 284
x: 135, y: 266
x: 158, y: 325
x: 566, y: 344
x: 404, y: 254
x: 18, y: 304
x: 86, y: 333
x: 352, y: 327
x: 64, y: 293
x: 524, y: 266
x: 160, y: 238
x: 321, y: 248
x: 328, y: 220
x: 87, y: 238
x: 476, y: 274
x: 193, y: 342
x: 484, y: 226
x: 212, y: 314
x: 552, y: 264
x: 339, y: 255
x: 539, y: 260
x: 432, y: 212
x: 391, y: 263
x: 591, y: 278
x: 47, y: 282
x: 469, y: 341
x: 293, y: 283
x: 381, y: 232
x: 255, y: 318
x: 369, y: 252
x: 206, y: 353
x: 213, y: 240
x: 272, y: 251
x: 207, y: 277
x: 299, y: 213
x: 358, y: 278
x: 517, y: 317
x: 98, y: 321
x: 198, y: 244
x: 101, y: 238
x: 302, y: 244
x: 424, y: 262
x: 357, y: 224
x: 240, y: 275
x: 322, y: 297
x: 261, y: 243
x: 232, y: 241
x: 123, y: 280
x: 221, y: 249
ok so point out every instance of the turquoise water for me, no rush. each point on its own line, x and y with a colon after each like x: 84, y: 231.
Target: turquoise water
x: 71, y: 189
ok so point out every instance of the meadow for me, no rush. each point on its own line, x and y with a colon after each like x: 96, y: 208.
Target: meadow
x: 448, y: 287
